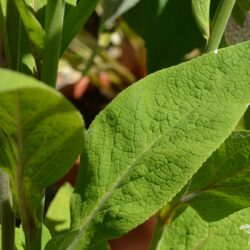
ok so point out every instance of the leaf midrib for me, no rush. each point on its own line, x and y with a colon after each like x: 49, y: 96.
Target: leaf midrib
x: 86, y: 221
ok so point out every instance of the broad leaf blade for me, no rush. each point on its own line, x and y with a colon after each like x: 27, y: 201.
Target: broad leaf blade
x: 201, y: 10
x: 75, y: 20
x: 194, y: 233
x: 144, y: 147
x: 41, y: 135
x: 221, y: 186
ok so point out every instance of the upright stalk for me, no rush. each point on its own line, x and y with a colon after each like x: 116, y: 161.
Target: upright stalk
x: 7, y: 216
x: 219, y: 24
x: 32, y: 231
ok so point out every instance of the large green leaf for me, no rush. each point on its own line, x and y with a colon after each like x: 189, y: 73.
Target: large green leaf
x: 189, y: 231
x: 201, y: 11
x: 168, y: 28
x: 144, y: 147
x: 41, y: 135
x: 221, y: 186
x: 115, y: 8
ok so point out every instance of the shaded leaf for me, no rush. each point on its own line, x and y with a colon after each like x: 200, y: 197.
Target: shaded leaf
x: 41, y: 135
x: 115, y: 8
x: 33, y: 28
x: 144, y: 147
x: 194, y: 233
x: 167, y: 35
x: 75, y: 19
x: 222, y: 185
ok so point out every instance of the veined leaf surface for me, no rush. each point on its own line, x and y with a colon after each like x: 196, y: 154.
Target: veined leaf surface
x: 221, y: 185
x: 189, y: 231
x: 144, y: 147
x: 41, y: 135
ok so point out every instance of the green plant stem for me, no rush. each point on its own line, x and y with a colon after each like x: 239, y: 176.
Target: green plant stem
x: 159, y: 229
x: 32, y: 231
x: 7, y: 216
x: 219, y: 24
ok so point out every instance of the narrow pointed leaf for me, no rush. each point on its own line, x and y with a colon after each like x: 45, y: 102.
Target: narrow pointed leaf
x: 75, y: 20
x: 144, y: 147
x: 189, y: 231
x: 53, y: 28
x: 33, y: 28
x: 221, y: 186
x: 41, y: 135
x: 115, y: 8
x: 201, y: 11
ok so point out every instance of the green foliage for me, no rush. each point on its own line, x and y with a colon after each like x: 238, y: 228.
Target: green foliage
x: 201, y: 11
x: 35, y: 134
x: 221, y: 186
x: 115, y: 8
x: 136, y: 159
x: 163, y: 145
x: 166, y: 27
x: 58, y: 215
x: 33, y: 28
x: 194, y: 233
x: 75, y: 19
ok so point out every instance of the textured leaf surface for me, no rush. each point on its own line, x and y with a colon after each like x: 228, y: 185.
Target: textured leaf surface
x: 142, y: 149
x: 167, y: 34
x: 115, y: 8
x: 222, y: 184
x: 41, y: 135
x: 190, y: 232
x: 201, y: 11
x: 58, y: 215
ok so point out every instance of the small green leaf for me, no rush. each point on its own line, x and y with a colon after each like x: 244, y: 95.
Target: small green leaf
x: 201, y: 10
x: 189, y: 231
x: 115, y: 8
x: 41, y: 135
x: 75, y: 20
x: 58, y: 215
x: 144, y: 147
x: 33, y: 28
x: 221, y: 186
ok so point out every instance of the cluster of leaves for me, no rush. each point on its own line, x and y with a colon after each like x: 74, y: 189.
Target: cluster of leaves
x: 160, y: 145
